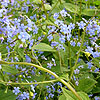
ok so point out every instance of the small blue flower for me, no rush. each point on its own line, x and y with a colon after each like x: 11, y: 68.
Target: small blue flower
x: 24, y: 36
x: 16, y: 90
x: 25, y: 95
x: 72, y: 43
x: 56, y: 15
x: 89, y: 49
x: 63, y: 13
x: 50, y: 37
x: 89, y: 65
x: 81, y: 25
x: 28, y: 59
x: 91, y: 32
x: 34, y: 95
x: 59, y: 90
x: 96, y: 70
x: 78, y: 44
x: 96, y: 54
x: 49, y: 65
x: 77, y: 83
x: 32, y: 88
x: 76, y: 71
x: 51, y: 95
x: 97, y: 98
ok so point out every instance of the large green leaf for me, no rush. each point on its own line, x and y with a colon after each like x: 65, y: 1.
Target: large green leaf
x: 86, y: 85
x: 62, y: 97
x: 70, y: 96
x: 91, y: 12
x: 43, y: 47
x: 72, y: 8
x: 83, y: 95
x: 7, y: 96
x: 9, y: 69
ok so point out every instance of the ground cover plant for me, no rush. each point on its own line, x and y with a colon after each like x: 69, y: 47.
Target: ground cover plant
x: 49, y: 50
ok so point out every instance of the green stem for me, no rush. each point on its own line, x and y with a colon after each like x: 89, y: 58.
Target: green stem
x: 29, y: 83
x: 60, y: 61
x: 80, y: 9
x: 48, y: 71
x: 44, y: 9
x: 69, y: 54
x: 73, y: 68
x: 54, y: 6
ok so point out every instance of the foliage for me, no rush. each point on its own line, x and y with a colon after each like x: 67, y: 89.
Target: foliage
x: 49, y: 49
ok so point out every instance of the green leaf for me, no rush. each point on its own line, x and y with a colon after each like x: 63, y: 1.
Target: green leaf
x: 62, y: 97
x: 96, y: 2
x: 83, y: 95
x: 47, y: 7
x: 96, y: 90
x: 71, y: 7
x: 43, y: 47
x: 36, y: 1
x: 91, y: 12
x: 3, y: 49
x: 69, y: 95
x: 9, y: 69
x: 21, y: 52
x: 7, y: 96
x: 86, y: 85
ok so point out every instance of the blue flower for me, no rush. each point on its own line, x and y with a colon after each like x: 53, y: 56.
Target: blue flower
x: 89, y: 65
x: 97, y: 98
x: 49, y: 65
x: 50, y: 37
x: 72, y: 26
x: 56, y: 15
x: 64, y: 29
x: 62, y: 39
x: 28, y: 59
x: 24, y: 36
x: 51, y: 95
x: 72, y: 43
x: 76, y: 71
x: 60, y: 46
x: 77, y: 83
x: 34, y: 95
x: 91, y: 32
x: 96, y: 54
x: 59, y: 90
x: 54, y: 44
x: 89, y: 49
x: 81, y: 25
x: 16, y: 90
x: 96, y: 70
x: 25, y: 95
x: 63, y: 13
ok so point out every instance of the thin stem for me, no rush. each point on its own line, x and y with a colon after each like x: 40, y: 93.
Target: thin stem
x: 80, y: 9
x: 60, y: 61
x: 73, y: 68
x: 69, y: 54
x: 13, y: 83
x: 9, y: 52
x: 54, y: 6
x: 48, y: 71
x: 35, y: 58
x: 44, y: 10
